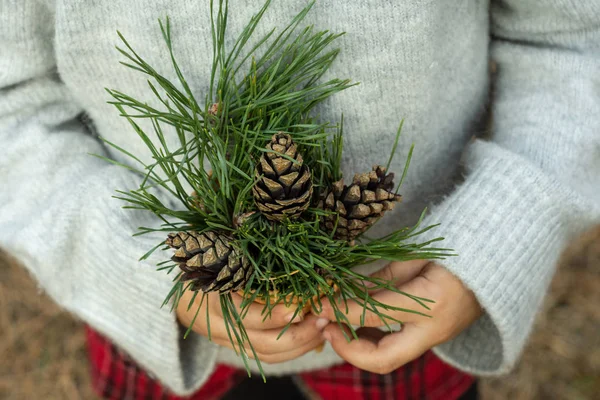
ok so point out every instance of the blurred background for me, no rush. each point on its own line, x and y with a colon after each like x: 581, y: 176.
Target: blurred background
x: 43, y: 349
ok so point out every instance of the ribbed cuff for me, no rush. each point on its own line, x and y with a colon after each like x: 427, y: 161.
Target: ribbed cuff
x: 508, y: 223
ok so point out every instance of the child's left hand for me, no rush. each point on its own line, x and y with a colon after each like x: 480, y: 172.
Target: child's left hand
x: 455, y: 308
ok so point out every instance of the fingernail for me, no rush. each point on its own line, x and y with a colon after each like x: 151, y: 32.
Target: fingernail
x: 327, y: 336
x: 322, y: 323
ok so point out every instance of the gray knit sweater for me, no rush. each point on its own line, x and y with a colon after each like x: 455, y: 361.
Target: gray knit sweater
x: 525, y: 190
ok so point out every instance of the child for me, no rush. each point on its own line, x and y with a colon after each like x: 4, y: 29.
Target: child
x: 528, y: 189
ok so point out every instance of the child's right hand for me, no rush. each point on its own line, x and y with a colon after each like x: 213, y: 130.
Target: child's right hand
x: 303, y: 336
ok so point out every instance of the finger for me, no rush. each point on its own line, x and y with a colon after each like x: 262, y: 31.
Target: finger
x: 271, y: 341
x: 276, y: 357
x: 405, y: 309
x: 266, y: 340
x: 256, y: 317
x: 393, y: 273
x: 195, y: 314
x: 379, y: 356
x: 293, y: 354
x: 399, y: 272
x: 254, y: 314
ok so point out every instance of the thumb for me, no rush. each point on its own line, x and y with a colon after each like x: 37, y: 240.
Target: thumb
x: 376, y: 351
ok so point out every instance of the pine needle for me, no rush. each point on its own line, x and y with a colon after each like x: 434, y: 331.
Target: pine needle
x: 279, y: 93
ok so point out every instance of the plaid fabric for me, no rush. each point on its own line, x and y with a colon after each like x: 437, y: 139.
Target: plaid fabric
x: 426, y: 378
x: 115, y: 376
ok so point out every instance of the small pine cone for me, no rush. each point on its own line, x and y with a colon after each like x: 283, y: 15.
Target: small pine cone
x: 213, y: 109
x: 209, y: 260
x: 359, y: 205
x: 283, y: 188
x: 240, y: 219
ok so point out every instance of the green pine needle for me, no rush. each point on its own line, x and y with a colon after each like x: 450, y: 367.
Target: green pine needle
x: 278, y: 93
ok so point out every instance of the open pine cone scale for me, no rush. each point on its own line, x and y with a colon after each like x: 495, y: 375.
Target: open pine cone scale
x: 210, y: 261
x: 358, y: 206
x: 283, y: 187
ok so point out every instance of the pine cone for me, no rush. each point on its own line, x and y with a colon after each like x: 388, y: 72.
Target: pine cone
x: 209, y: 260
x: 359, y: 205
x: 283, y: 188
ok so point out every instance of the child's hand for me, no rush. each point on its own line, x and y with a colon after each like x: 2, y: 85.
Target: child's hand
x: 455, y: 308
x: 303, y: 336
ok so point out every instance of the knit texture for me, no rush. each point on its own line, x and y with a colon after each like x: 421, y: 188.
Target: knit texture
x: 532, y: 184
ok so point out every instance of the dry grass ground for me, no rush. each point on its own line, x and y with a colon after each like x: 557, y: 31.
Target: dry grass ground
x: 43, y: 349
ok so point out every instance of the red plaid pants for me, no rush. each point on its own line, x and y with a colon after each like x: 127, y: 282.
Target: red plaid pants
x: 115, y: 376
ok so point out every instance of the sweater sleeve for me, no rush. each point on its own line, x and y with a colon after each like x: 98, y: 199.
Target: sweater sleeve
x: 57, y: 216
x: 535, y: 183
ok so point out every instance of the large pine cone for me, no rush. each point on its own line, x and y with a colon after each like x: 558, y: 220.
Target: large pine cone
x: 210, y: 261
x: 283, y: 188
x: 359, y: 205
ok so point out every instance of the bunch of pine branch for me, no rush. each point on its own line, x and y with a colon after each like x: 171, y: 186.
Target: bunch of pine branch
x: 294, y: 260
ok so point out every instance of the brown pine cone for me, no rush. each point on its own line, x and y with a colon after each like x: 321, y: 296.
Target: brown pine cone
x: 283, y: 188
x: 210, y: 260
x: 359, y: 205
